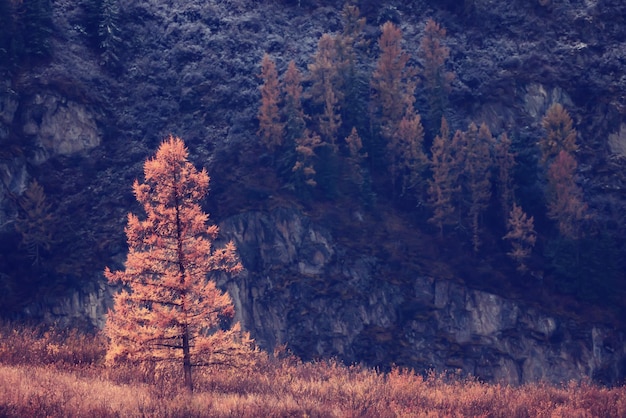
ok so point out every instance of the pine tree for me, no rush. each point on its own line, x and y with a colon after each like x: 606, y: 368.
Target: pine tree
x: 168, y: 310
x: 478, y: 175
x: 560, y: 134
x: 7, y: 32
x: 35, y: 27
x: 109, y: 34
x: 434, y: 54
x: 522, y: 236
x: 270, y: 126
x: 565, y: 198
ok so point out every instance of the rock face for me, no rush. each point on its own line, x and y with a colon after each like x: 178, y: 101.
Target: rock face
x: 298, y: 290
x: 59, y: 126
x: 84, y: 308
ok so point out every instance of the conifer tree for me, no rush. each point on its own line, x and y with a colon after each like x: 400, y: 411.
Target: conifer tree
x: 559, y: 133
x: 326, y: 88
x: 354, y: 83
x: 407, y: 161
x: 168, y: 310
x: 505, y: 162
x: 521, y: 234
x: 292, y: 111
x: 35, y: 222
x: 393, y: 81
x: 109, y: 34
x: 304, y: 166
x: 35, y: 27
x: 356, y: 158
x: 434, y: 54
x: 565, y: 198
x: 270, y: 126
x: 7, y: 32
x: 444, y: 183
x: 478, y: 173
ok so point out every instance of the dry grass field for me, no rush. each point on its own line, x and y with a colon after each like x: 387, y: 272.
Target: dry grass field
x: 48, y: 373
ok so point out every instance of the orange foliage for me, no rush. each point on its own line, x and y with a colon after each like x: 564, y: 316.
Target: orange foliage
x: 167, y: 310
x: 34, y: 223
x: 326, y: 88
x: 407, y: 160
x: 305, y: 148
x: 292, y: 109
x: 521, y: 234
x: 443, y: 185
x: 356, y: 158
x: 393, y: 81
x: 270, y: 127
x: 566, y: 204
x: 560, y: 135
x: 275, y: 387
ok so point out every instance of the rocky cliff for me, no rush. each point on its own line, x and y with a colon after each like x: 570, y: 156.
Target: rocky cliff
x: 320, y: 279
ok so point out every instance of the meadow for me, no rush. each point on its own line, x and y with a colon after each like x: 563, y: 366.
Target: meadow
x: 61, y: 373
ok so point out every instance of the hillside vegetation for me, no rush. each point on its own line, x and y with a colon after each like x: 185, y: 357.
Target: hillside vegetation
x: 355, y: 204
x: 49, y: 373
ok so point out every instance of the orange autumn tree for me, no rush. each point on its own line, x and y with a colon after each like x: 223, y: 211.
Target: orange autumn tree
x: 169, y: 309
x: 560, y: 134
x: 565, y: 198
x: 522, y: 236
x: 393, y: 81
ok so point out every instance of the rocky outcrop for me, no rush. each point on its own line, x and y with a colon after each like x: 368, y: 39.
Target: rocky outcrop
x: 83, y: 308
x: 299, y: 290
x: 58, y: 126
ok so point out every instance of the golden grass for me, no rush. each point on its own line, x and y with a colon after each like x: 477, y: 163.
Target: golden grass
x: 45, y: 373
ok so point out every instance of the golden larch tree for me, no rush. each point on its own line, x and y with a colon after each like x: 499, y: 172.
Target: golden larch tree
x: 405, y: 155
x: 306, y: 156
x: 522, y: 236
x: 393, y: 81
x: 565, y: 198
x: 559, y: 133
x: 169, y: 309
x: 270, y: 126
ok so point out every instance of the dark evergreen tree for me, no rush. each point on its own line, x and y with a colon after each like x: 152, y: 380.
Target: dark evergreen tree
x: 35, y: 29
x: 109, y: 33
x: 103, y: 30
x: 7, y: 32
